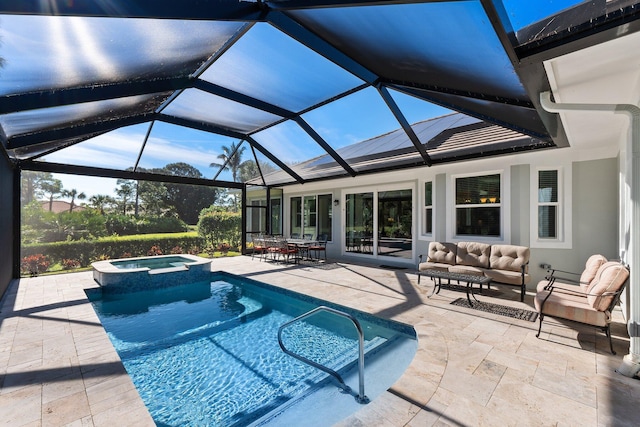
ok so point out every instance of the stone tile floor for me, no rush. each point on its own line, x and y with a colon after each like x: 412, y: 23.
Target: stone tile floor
x: 58, y: 368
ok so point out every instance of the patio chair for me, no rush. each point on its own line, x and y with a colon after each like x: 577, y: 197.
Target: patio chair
x: 319, y: 247
x: 259, y: 246
x: 282, y: 250
x: 589, y: 300
x: 583, y: 279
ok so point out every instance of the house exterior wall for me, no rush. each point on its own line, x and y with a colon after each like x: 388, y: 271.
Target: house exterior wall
x: 588, y: 202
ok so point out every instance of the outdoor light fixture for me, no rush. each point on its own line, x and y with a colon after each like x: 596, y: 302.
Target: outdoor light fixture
x: 336, y: 202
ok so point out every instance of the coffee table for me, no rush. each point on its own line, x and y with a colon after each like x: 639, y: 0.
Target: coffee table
x: 469, y: 279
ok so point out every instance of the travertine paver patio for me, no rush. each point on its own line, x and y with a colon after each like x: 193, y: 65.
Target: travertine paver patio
x: 472, y: 368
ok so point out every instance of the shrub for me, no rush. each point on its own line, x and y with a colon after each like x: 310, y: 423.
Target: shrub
x: 34, y: 264
x: 155, y: 250
x: 127, y: 225
x: 113, y: 247
x: 70, y: 264
x: 219, y: 227
x: 176, y: 250
x: 194, y: 250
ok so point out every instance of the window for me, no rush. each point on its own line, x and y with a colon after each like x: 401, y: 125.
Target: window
x: 311, y: 216
x: 428, y: 208
x: 548, y: 205
x: 295, y: 217
x: 325, y: 214
x: 478, y: 206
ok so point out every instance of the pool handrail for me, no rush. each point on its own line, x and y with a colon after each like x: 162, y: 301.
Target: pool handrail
x: 361, y: 397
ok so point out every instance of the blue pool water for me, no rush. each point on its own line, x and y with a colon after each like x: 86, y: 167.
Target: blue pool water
x: 207, y: 353
x: 152, y: 263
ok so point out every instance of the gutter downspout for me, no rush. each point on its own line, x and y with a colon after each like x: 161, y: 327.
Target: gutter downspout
x: 630, y: 366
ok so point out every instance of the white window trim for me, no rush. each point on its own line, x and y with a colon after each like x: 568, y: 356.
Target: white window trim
x: 505, y: 211
x: 422, y: 234
x: 564, y: 239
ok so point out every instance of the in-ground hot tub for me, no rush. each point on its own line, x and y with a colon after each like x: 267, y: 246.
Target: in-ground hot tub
x: 135, y: 274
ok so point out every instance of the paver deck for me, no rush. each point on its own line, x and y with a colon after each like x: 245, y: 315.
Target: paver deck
x: 58, y: 367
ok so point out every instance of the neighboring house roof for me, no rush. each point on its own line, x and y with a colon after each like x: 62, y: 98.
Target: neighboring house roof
x: 60, y: 206
x: 454, y: 136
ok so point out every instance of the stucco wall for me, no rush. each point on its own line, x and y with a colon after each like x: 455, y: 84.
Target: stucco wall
x: 594, y: 219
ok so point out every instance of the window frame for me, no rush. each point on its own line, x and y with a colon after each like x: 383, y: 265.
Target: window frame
x: 301, y: 215
x: 559, y: 226
x: 503, y: 205
x: 563, y: 239
x: 424, y: 232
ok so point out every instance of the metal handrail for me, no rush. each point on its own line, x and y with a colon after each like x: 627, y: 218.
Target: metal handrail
x: 360, y: 398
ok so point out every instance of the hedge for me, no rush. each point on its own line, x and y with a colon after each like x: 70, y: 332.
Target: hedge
x: 88, y: 251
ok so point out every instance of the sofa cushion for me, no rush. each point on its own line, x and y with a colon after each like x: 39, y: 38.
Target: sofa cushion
x: 467, y: 269
x: 507, y: 276
x: 473, y: 254
x: 509, y: 257
x: 591, y: 267
x: 609, y: 279
x: 573, y: 307
x: 439, y: 266
x: 442, y: 252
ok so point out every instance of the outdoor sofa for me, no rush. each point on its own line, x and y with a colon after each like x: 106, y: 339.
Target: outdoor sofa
x: 507, y: 264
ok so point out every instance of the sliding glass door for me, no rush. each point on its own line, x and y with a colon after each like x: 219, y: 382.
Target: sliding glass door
x: 389, y: 214
x: 395, y: 218
x: 359, y: 223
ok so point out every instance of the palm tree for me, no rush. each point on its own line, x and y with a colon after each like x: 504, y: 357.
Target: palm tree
x: 52, y: 187
x: 73, y: 194
x: 99, y: 201
x: 231, y: 159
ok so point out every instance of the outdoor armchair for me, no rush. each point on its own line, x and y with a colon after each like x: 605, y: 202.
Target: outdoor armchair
x: 589, y: 300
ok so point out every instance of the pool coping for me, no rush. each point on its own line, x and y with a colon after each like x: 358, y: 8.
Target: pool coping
x: 122, y: 280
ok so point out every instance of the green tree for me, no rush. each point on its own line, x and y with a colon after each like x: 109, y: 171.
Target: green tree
x: 188, y: 200
x: 101, y: 202
x: 153, y: 198
x: 73, y: 193
x: 249, y: 170
x: 31, y: 188
x: 126, y: 190
x: 51, y: 188
x: 231, y: 160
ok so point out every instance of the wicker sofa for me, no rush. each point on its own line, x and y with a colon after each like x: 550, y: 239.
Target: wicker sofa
x: 507, y: 264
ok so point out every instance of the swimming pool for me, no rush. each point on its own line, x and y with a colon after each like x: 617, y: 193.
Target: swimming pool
x: 207, y: 353
x: 134, y: 274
